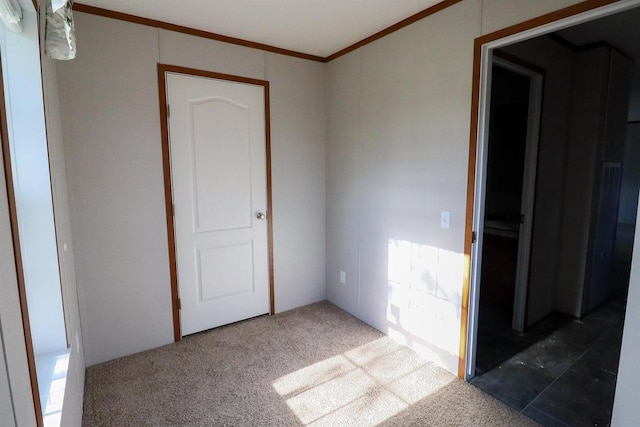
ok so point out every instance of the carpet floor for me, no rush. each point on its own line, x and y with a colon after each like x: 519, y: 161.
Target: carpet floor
x: 314, y: 365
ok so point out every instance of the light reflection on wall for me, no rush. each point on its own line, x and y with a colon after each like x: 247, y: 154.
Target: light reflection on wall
x: 424, y: 302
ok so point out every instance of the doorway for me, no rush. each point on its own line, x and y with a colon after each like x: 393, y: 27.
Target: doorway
x: 515, y: 105
x: 568, y: 374
x: 219, y: 219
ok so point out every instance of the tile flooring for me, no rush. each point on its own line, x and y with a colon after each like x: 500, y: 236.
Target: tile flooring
x: 568, y: 377
x: 497, y: 342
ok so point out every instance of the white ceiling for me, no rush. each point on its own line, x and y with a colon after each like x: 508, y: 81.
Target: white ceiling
x: 316, y: 27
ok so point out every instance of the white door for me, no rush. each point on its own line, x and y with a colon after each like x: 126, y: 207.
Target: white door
x: 218, y: 173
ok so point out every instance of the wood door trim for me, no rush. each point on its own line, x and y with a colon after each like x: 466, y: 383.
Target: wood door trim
x: 468, y: 228
x: 17, y: 253
x: 548, y: 18
x: 168, y: 192
x: 267, y: 118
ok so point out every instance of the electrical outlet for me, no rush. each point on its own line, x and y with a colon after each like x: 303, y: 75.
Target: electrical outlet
x: 445, y: 219
x: 343, y: 277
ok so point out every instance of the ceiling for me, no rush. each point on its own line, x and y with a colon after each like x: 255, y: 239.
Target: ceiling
x: 316, y: 27
x: 621, y: 30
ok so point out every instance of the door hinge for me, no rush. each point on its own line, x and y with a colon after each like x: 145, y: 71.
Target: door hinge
x: 168, y: 110
x: 474, y: 237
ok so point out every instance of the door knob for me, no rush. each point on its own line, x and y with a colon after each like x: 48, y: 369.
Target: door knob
x: 261, y: 215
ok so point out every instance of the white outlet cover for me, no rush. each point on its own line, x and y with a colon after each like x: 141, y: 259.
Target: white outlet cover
x: 343, y: 277
x: 445, y: 219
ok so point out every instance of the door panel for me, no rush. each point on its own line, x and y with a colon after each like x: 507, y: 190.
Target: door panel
x: 221, y: 164
x: 225, y: 271
x: 218, y: 173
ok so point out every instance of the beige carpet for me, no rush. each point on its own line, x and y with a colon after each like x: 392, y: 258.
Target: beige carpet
x: 315, y: 365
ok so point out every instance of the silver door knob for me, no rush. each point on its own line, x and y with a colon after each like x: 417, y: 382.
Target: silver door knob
x: 261, y: 215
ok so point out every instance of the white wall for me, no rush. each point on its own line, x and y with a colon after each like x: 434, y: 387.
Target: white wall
x: 298, y: 171
x: 398, y: 140
x: 111, y: 133
x: 109, y: 98
x: 398, y: 131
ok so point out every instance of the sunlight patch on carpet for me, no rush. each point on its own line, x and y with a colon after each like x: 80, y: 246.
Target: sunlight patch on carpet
x: 363, y: 386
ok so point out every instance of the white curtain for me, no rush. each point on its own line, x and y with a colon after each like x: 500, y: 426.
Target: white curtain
x: 60, y: 34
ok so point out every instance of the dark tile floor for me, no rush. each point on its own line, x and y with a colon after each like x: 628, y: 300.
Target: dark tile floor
x: 497, y: 342
x: 568, y: 377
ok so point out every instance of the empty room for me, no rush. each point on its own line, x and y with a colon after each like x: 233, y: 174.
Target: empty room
x: 408, y: 212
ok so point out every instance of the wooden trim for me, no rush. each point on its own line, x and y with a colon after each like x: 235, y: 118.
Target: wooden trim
x: 267, y: 117
x: 532, y: 23
x: 468, y: 231
x: 393, y: 28
x: 566, y: 12
x: 35, y: 4
x: 22, y: 291
x: 211, y: 74
x: 168, y: 199
x: 79, y: 7
x: 168, y: 192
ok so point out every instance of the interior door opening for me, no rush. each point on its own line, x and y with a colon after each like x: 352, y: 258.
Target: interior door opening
x: 562, y: 366
x: 516, y: 96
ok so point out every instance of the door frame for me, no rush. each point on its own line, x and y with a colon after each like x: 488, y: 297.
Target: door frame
x: 534, y: 116
x: 163, y: 69
x: 482, y: 58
